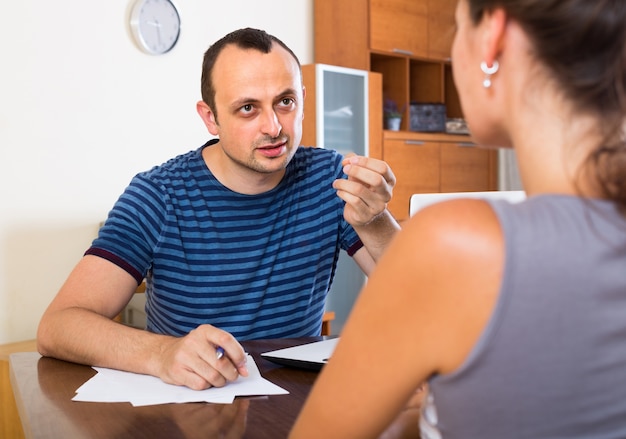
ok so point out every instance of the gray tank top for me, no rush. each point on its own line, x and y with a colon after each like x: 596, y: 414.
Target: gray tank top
x: 551, y: 362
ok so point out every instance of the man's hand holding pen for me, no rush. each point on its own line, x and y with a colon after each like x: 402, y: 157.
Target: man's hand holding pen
x: 206, y: 357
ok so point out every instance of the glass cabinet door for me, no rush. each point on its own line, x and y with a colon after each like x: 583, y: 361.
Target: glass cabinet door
x: 342, y: 108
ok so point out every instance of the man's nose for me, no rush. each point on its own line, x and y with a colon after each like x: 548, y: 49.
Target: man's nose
x: 270, y: 124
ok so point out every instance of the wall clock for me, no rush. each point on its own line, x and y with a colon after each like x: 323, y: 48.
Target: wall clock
x: 155, y: 25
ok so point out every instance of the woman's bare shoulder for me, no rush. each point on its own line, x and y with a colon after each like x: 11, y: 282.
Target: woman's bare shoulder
x: 452, y: 256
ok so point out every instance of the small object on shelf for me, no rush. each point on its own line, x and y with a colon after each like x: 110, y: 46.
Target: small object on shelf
x: 456, y: 126
x: 392, y: 114
x: 428, y: 117
x: 393, y: 123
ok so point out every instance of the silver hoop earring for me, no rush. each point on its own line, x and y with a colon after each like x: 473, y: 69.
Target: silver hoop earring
x: 489, y: 71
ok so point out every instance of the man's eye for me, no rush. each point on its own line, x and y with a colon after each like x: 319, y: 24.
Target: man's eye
x: 246, y: 108
x: 287, y: 102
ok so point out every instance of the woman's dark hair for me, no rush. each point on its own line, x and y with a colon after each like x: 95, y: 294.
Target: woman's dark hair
x: 247, y: 38
x: 583, y: 45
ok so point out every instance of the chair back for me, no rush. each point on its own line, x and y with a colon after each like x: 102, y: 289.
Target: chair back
x: 419, y: 201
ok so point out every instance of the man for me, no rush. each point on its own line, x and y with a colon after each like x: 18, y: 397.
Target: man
x: 237, y: 240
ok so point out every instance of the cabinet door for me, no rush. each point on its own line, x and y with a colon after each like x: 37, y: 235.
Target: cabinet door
x: 416, y: 167
x: 319, y: 124
x: 399, y: 26
x: 466, y: 167
x: 341, y: 34
x: 441, y: 28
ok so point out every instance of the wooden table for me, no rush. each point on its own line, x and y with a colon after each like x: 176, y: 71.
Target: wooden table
x: 44, y: 388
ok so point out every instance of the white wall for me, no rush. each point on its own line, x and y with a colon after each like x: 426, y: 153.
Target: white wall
x: 82, y: 110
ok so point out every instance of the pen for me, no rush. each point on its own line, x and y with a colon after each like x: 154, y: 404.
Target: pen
x: 219, y: 352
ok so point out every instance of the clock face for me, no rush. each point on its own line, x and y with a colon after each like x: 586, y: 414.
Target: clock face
x: 155, y: 25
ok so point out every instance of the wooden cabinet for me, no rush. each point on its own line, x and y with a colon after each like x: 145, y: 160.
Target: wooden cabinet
x: 341, y: 34
x: 415, y: 163
x: 441, y: 28
x: 346, y: 30
x: 419, y: 28
x: 399, y: 26
x: 424, y: 163
x: 466, y: 167
x: 408, y: 42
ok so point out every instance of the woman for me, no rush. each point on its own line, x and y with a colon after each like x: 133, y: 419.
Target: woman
x: 515, y: 315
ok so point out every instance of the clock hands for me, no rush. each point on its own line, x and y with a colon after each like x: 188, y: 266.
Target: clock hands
x: 157, y: 25
x: 154, y: 23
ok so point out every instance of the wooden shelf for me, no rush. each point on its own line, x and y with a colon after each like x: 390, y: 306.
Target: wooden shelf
x: 428, y: 137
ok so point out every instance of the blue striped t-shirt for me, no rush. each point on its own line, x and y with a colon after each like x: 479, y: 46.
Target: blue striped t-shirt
x: 257, y: 266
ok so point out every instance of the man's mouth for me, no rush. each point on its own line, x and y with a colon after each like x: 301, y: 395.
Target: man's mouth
x: 273, y: 150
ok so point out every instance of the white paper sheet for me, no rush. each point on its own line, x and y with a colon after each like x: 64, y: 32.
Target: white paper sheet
x: 315, y: 352
x: 110, y: 385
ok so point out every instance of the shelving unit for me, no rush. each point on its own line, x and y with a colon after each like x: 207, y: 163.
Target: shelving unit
x: 407, y: 79
x: 409, y: 43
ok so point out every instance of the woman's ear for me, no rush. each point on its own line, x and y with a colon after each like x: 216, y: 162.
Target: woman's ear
x: 494, y: 25
x: 208, y: 117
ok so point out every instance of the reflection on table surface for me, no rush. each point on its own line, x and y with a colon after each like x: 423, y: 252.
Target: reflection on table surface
x: 44, y: 387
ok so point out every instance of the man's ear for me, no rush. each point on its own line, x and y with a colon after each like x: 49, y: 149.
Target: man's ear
x: 303, y: 98
x: 208, y: 117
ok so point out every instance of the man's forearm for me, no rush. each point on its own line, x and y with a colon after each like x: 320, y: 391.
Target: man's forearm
x: 85, y: 337
x: 378, y: 233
